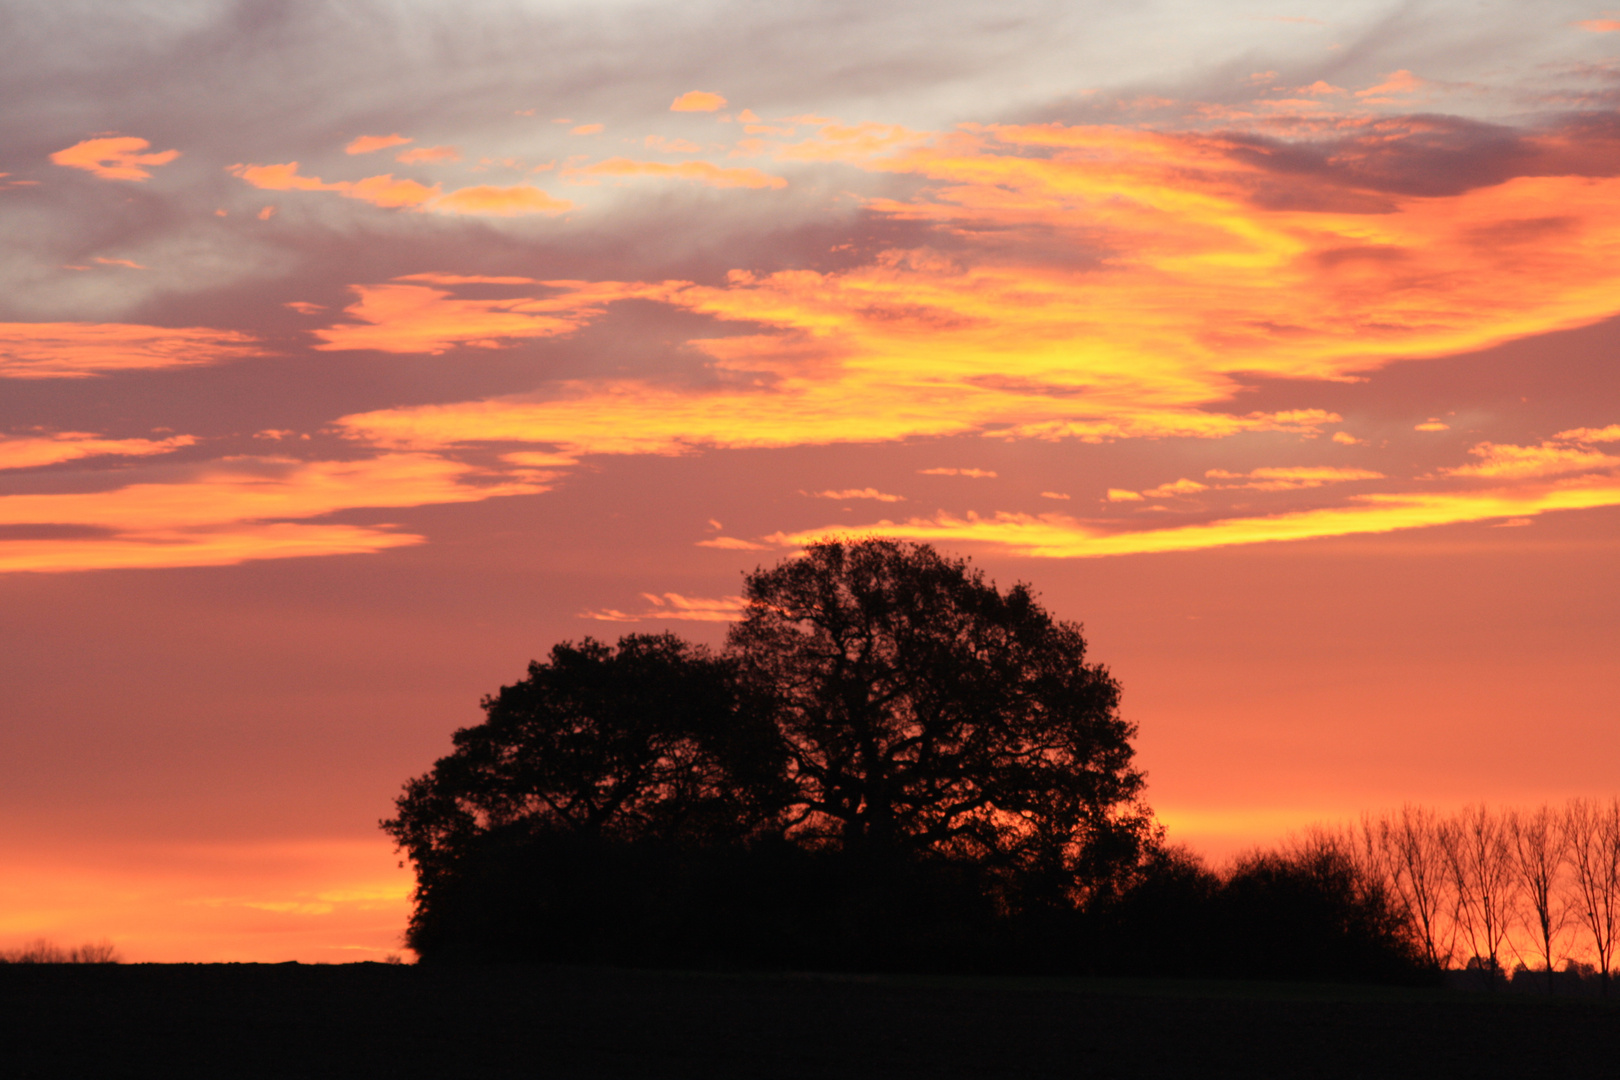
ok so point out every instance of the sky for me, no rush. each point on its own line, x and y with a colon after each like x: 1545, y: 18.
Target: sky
x: 352, y: 354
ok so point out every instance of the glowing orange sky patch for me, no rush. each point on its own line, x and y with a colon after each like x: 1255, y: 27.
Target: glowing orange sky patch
x: 79, y: 350
x: 117, y: 157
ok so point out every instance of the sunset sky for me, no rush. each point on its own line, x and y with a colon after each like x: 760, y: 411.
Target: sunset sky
x: 351, y: 354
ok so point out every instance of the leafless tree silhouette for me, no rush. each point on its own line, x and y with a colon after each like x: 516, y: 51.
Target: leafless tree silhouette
x: 1593, y: 831
x: 1536, y: 845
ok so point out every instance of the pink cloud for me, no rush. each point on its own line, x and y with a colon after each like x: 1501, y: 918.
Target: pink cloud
x: 1396, y: 82
x: 702, y: 171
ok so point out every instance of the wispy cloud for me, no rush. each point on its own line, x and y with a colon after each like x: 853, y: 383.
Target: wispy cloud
x: 855, y: 493
x: 232, y: 511
x: 79, y: 350
x: 675, y: 607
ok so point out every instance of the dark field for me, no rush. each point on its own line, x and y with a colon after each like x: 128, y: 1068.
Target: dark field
x: 377, y: 1020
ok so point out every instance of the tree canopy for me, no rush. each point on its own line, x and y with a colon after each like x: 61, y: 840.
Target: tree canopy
x: 919, y: 708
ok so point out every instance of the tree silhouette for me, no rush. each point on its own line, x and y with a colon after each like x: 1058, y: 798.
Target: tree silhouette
x: 923, y: 711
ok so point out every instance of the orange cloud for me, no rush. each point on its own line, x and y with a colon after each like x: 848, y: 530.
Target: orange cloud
x: 1291, y: 478
x: 674, y: 606
x: 1508, y: 462
x: 410, y: 315
x: 500, y: 201
x: 126, y: 263
x: 420, y: 154
x: 117, y: 157
x: 1175, y: 488
x: 1600, y: 26
x: 367, y: 144
x: 381, y: 190
x: 232, y: 511
x: 975, y: 474
x: 386, y: 191
x: 32, y: 451
x: 701, y: 171
x: 697, y: 101
x: 586, y: 129
x: 79, y: 350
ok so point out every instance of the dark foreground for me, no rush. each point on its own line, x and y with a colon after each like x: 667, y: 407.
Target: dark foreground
x: 378, y: 1020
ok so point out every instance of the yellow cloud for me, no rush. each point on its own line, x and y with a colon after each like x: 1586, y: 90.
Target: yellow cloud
x: 1056, y: 537
x: 79, y: 350
x: 117, y: 157
x: 697, y: 101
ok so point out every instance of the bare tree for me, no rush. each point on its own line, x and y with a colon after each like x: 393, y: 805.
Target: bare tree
x: 1593, y: 831
x: 1536, y: 842
x: 1481, y: 871
x: 1411, y: 855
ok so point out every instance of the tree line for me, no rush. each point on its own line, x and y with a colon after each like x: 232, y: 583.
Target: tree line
x: 891, y: 764
x: 1477, y: 886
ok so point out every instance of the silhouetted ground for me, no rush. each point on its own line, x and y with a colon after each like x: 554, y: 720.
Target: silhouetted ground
x: 377, y: 1020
